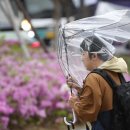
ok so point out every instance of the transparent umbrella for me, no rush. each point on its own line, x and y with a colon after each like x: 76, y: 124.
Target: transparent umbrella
x: 110, y: 28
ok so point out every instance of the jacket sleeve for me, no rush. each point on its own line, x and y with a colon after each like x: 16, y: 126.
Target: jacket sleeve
x: 89, y: 104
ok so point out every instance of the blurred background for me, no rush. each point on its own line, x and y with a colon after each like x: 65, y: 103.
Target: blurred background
x: 33, y: 92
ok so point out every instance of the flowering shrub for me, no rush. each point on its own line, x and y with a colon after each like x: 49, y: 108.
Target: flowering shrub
x: 127, y: 77
x: 30, y: 90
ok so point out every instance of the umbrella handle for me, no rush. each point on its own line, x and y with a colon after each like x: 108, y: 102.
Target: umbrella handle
x: 73, y: 121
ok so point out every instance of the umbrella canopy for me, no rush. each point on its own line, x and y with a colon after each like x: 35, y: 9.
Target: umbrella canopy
x: 102, y: 31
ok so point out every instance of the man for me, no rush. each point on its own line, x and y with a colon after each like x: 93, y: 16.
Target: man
x: 94, y: 102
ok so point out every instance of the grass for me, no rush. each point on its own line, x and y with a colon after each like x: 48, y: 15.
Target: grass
x: 127, y: 59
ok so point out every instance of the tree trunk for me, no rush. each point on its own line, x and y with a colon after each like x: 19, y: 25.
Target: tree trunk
x: 57, y: 16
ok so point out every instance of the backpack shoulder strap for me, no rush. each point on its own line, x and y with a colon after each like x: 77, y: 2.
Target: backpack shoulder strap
x: 107, y: 77
x: 121, y: 77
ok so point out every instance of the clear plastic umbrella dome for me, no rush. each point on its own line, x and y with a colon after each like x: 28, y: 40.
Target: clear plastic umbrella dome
x: 110, y: 28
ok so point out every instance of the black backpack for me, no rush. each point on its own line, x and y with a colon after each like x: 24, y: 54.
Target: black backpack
x: 121, y: 101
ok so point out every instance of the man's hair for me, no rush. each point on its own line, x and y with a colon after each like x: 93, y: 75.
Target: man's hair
x: 93, y: 44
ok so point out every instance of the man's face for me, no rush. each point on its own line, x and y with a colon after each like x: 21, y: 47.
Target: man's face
x: 87, y: 61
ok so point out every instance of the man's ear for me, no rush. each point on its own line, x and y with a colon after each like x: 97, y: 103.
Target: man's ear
x: 94, y: 56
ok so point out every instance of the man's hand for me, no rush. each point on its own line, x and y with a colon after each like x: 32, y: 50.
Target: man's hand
x: 72, y: 83
x: 72, y: 100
